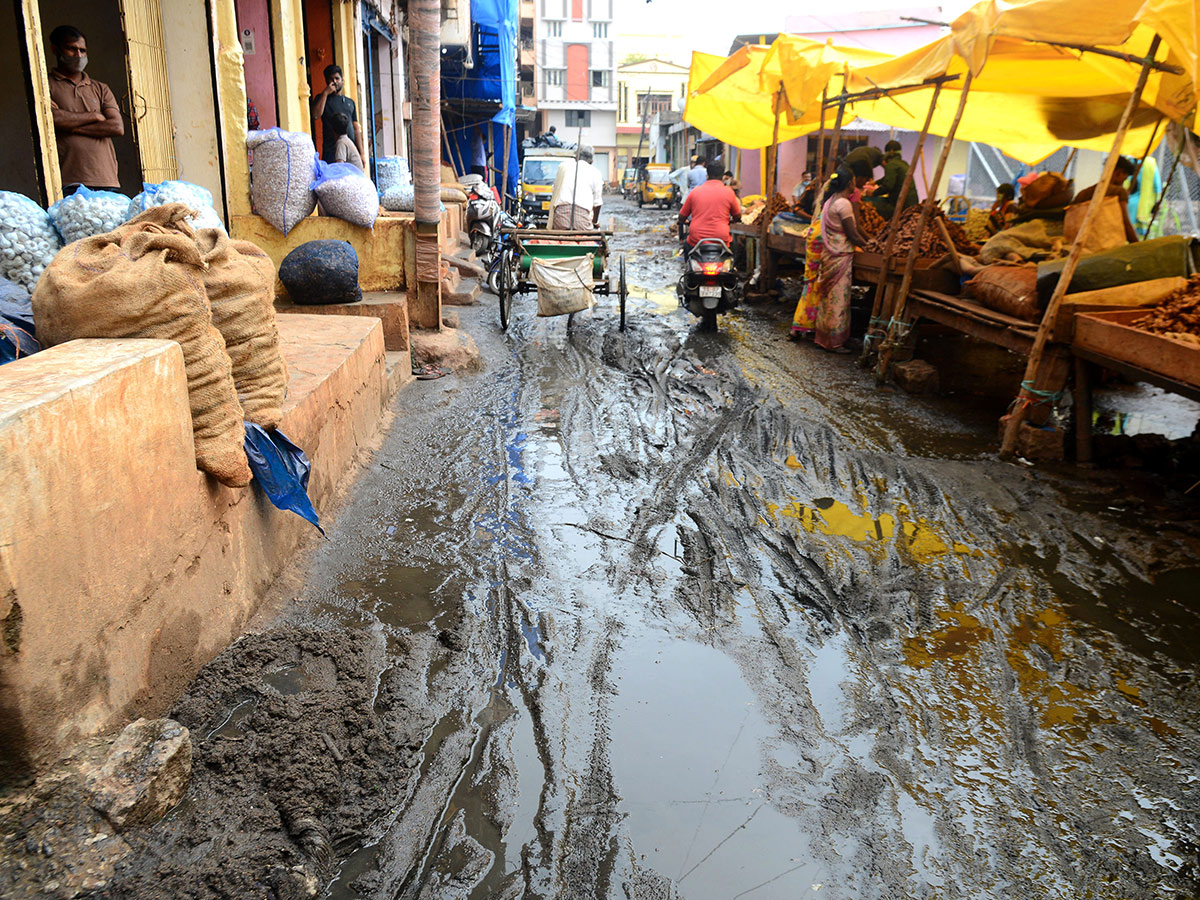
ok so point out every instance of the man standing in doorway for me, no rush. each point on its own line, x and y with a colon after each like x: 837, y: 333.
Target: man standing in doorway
x: 86, y: 117
x: 697, y: 174
x: 328, y: 104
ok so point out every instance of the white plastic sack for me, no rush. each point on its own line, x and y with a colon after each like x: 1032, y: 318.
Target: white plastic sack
x: 28, y: 241
x: 281, y: 176
x: 564, y: 285
x: 87, y: 212
x: 200, y: 199
x: 390, y: 172
x: 344, y: 191
x: 398, y: 198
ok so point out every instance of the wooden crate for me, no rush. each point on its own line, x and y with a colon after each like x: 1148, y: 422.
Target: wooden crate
x: 1110, y: 334
x: 928, y: 275
x: 1126, y: 296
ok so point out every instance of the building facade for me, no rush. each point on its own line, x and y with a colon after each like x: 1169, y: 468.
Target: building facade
x: 576, y: 75
x: 645, y: 90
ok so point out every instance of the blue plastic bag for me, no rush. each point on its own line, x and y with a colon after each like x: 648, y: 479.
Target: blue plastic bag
x: 327, y: 171
x: 281, y: 469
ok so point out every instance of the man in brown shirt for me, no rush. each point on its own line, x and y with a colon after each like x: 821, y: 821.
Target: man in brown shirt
x: 86, y: 116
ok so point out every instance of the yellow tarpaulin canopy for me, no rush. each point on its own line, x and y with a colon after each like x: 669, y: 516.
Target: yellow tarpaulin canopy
x: 1029, y: 98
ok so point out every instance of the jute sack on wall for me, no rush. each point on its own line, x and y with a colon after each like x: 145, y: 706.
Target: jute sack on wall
x: 240, y: 281
x: 145, y: 279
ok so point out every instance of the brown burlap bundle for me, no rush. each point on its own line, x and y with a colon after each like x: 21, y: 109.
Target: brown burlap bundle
x: 240, y: 281
x: 1011, y: 290
x: 145, y: 279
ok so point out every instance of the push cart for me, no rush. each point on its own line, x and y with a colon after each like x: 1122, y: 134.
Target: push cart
x: 521, y: 246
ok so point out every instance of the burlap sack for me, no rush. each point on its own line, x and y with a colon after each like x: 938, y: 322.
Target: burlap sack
x: 564, y: 285
x: 240, y: 282
x: 145, y: 279
x: 1108, y: 228
x: 1011, y: 290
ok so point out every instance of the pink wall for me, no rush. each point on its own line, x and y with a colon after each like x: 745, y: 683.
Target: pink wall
x: 259, y: 66
x: 793, y: 157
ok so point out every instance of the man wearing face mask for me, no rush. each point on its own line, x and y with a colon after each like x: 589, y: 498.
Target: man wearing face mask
x: 86, y: 117
x: 328, y: 104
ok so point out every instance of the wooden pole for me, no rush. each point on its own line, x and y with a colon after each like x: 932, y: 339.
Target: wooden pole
x: 767, y: 268
x: 910, y: 264
x: 1025, y: 397
x: 504, y: 173
x: 837, y: 125
x: 881, y: 284
x: 945, y: 233
x: 1083, y: 411
x: 817, y: 172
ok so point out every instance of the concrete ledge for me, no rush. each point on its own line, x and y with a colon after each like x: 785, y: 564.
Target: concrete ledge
x: 123, y: 569
x: 390, y: 307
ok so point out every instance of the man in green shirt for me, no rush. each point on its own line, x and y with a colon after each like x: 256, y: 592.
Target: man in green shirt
x: 888, y: 191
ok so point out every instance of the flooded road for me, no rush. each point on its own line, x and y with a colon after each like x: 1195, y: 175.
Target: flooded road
x: 667, y: 614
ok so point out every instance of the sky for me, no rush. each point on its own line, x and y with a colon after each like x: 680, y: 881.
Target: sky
x: 673, y: 28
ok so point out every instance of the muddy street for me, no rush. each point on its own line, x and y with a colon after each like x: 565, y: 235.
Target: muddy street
x: 668, y: 614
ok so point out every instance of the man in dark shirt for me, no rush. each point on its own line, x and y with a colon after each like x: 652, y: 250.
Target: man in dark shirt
x: 328, y: 104
x: 863, y: 161
x: 86, y: 117
x: 894, y: 171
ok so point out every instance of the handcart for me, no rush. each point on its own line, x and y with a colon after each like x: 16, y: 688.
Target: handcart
x: 521, y: 246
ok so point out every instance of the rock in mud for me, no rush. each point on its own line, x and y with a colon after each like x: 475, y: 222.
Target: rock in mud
x: 448, y: 348
x: 916, y: 376
x: 145, y: 774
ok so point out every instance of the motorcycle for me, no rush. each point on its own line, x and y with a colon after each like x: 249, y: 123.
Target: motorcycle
x: 484, y: 215
x: 709, y: 285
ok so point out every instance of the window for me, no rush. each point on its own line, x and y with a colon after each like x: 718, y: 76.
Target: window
x: 599, y: 29
x: 649, y: 104
x: 554, y: 29
x: 579, y: 118
x: 599, y: 78
x: 556, y: 77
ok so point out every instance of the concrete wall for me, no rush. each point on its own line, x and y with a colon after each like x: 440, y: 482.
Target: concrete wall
x: 123, y: 569
x: 193, y: 102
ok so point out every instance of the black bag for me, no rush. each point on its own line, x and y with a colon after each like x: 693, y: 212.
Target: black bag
x: 321, y: 272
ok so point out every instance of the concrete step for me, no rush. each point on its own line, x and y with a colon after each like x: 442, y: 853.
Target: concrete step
x: 399, y: 370
x: 390, y: 307
x: 459, y: 291
x: 467, y: 264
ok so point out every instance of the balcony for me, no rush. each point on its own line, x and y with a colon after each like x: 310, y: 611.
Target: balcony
x: 527, y: 10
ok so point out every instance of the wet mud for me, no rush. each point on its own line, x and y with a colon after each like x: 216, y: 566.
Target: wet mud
x: 667, y: 614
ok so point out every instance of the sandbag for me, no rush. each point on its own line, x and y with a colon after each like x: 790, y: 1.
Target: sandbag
x: 1011, y: 290
x: 281, y: 175
x: 345, y: 192
x: 453, y: 194
x: 87, y: 212
x: 240, y: 282
x: 145, y: 280
x: 564, y: 285
x: 390, y: 172
x: 1164, y: 257
x: 1108, y: 228
x: 398, y: 198
x: 320, y: 272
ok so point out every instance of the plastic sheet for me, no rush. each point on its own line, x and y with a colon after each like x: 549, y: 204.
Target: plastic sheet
x: 281, y: 470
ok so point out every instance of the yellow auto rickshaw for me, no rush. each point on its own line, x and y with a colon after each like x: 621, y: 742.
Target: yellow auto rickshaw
x: 655, y: 186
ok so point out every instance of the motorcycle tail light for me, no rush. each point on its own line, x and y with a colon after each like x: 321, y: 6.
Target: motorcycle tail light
x: 710, y: 268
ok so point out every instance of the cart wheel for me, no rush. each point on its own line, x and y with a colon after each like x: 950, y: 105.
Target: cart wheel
x: 622, y: 290
x: 640, y: 203
x: 505, y: 288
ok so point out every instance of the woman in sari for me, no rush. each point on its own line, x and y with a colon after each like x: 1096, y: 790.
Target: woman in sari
x: 804, y: 321
x: 839, y: 234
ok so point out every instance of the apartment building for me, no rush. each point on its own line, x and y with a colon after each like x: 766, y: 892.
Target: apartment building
x: 646, y: 89
x: 576, y: 75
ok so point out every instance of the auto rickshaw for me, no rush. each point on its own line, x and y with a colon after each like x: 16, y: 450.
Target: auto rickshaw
x: 655, y: 186
x: 629, y: 183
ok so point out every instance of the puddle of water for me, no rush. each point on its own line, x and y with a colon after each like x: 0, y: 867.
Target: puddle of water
x: 1144, y: 409
x: 288, y: 680
x: 687, y: 746
x: 231, y: 722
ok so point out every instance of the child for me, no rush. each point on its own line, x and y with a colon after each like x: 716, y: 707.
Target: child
x: 1002, y: 211
x: 344, y: 150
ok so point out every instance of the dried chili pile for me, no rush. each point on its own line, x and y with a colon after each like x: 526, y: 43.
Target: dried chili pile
x: 1178, y: 315
x: 932, y: 246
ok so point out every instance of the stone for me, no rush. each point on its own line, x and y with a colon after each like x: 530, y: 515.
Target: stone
x: 916, y: 376
x: 450, y: 318
x: 145, y: 774
x: 1037, y: 442
x: 446, y: 349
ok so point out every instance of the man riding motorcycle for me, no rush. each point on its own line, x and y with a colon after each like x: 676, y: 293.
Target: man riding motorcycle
x: 708, y: 210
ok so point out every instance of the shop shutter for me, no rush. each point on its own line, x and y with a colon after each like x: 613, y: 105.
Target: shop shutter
x: 149, y: 92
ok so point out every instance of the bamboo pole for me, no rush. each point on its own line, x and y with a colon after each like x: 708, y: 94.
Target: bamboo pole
x: 881, y: 284
x: 1025, y: 396
x: 817, y: 172
x: 945, y: 233
x: 770, y: 177
x: 910, y: 264
x: 837, y: 124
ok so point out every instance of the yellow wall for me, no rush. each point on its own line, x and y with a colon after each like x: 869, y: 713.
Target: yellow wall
x: 231, y: 96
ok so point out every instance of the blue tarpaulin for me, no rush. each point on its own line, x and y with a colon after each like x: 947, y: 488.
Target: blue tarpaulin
x: 493, y: 77
x: 281, y: 470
